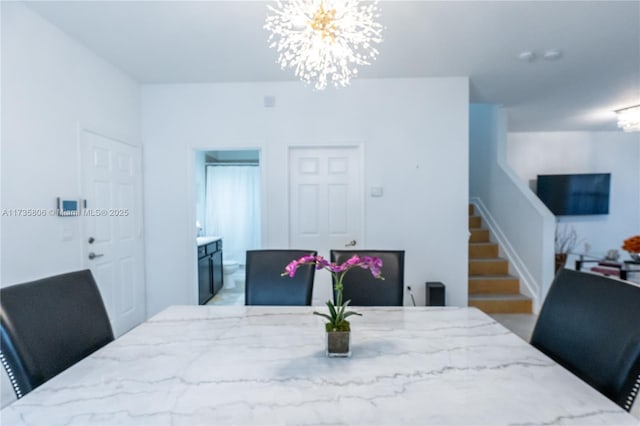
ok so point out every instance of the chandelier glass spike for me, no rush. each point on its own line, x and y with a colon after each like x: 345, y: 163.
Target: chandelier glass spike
x: 629, y: 118
x: 324, y: 41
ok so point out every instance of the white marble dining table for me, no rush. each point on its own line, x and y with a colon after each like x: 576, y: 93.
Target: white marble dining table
x: 236, y: 365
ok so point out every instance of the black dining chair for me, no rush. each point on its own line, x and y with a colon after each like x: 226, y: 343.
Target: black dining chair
x: 589, y: 324
x: 363, y: 289
x: 264, y: 284
x: 48, y: 325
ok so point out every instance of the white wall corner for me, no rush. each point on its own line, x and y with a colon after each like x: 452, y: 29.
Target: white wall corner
x: 519, y: 222
x: 548, y: 219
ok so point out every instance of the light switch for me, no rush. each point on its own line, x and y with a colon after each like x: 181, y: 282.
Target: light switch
x: 376, y: 191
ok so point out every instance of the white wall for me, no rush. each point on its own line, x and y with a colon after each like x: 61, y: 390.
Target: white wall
x: 415, y: 137
x: 525, y: 227
x: 50, y: 85
x: 617, y: 153
x: 201, y: 183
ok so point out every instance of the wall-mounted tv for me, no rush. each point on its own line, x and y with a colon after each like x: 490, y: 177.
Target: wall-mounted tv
x: 578, y: 194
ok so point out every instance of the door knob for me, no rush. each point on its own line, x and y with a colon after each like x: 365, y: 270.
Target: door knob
x: 351, y: 243
x: 91, y: 240
x: 92, y: 255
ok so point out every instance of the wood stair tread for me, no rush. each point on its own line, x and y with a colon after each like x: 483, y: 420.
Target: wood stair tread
x: 498, y: 296
x: 479, y: 235
x: 487, y: 259
x: 490, y: 286
x: 492, y: 277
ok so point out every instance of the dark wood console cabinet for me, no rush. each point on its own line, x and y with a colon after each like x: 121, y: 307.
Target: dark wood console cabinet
x: 209, y: 270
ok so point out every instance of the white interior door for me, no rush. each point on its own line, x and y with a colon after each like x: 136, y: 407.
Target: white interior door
x: 325, y: 204
x: 113, y: 244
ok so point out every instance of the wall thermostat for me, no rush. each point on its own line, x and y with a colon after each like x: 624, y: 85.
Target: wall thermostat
x: 68, y: 207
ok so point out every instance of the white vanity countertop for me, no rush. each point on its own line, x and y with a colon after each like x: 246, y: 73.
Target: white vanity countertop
x: 255, y: 365
x: 203, y: 241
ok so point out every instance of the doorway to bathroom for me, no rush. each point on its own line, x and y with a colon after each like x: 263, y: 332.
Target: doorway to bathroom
x: 228, y: 213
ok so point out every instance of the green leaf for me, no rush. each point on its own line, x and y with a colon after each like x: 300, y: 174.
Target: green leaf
x: 349, y: 313
x: 341, y: 312
x: 332, y: 309
x: 323, y: 315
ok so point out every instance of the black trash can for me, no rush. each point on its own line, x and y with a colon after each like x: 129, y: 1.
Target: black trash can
x: 435, y: 293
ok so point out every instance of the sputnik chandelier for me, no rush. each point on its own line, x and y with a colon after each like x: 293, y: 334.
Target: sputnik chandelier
x: 629, y: 118
x: 324, y: 41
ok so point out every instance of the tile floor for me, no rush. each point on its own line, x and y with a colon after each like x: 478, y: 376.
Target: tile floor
x: 231, y: 296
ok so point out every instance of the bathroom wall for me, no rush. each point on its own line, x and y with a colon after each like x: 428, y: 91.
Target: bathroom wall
x: 232, y: 201
x: 414, y: 134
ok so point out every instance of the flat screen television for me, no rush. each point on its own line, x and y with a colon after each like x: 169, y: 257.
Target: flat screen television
x: 578, y: 194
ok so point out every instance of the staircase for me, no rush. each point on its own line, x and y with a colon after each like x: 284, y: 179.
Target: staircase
x: 491, y: 288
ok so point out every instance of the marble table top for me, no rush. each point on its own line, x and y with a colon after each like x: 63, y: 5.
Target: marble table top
x: 236, y: 365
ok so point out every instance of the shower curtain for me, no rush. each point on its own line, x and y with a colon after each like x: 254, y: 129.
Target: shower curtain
x: 232, y: 208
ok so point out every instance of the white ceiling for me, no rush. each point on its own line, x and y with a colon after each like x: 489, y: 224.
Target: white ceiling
x: 223, y: 41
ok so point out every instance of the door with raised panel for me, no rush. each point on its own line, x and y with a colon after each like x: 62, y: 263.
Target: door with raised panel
x: 112, y: 226
x: 325, y: 204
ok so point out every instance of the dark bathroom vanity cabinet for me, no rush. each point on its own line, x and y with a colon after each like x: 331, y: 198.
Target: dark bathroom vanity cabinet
x: 209, y: 269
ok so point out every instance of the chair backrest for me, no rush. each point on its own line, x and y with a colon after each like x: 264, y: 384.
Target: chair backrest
x: 48, y: 325
x: 264, y: 284
x: 363, y: 289
x: 589, y: 324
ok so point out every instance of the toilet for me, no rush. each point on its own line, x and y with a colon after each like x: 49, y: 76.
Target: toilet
x: 229, y: 267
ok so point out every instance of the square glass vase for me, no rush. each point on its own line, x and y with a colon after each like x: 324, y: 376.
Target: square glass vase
x: 338, y: 344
